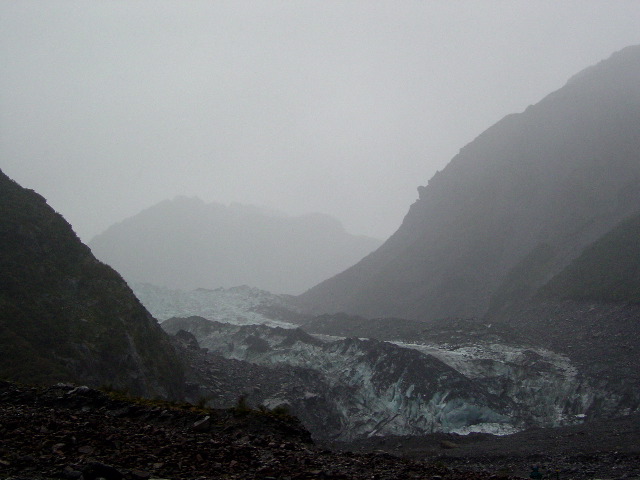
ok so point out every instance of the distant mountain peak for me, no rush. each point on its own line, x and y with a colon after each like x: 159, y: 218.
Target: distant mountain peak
x: 186, y: 243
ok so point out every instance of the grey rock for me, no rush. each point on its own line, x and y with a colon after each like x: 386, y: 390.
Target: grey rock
x: 202, y: 425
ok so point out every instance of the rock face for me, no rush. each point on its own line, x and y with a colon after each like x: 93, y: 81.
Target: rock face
x: 351, y: 388
x: 221, y: 382
x: 601, y: 339
x: 555, y: 361
x: 187, y: 244
x: 606, y: 271
x: 65, y: 316
x: 78, y: 433
x: 559, y: 361
x: 529, y: 194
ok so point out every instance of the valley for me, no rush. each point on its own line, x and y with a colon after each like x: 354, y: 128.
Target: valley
x: 587, y: 431
x: 378, y: 388
x: 495, y: 330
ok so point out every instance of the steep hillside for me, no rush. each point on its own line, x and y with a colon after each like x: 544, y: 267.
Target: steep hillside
x: 64, y: 316
x: 530, y: 193
x: 590, y: 311
x: 186, y: 244
x: 607, y: 271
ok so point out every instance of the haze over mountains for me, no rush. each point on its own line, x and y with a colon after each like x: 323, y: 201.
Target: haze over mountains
x: 185, y: 243
x: 531, y: 236
x: 528, y: 195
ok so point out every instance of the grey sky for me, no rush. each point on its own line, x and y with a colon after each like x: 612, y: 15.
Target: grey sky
x: 107, y: 107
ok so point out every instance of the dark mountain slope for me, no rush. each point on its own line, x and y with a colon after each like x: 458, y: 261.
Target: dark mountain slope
x: 542, y: 183
x: 590, y: 311
x: 607, y: 271
x: 186, y: 244
x: 64, y: 316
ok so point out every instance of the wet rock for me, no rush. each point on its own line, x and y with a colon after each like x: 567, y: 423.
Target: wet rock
x: 202, y: 425
x: 71, y: 473
x: 57, y: 448
x: 81, y: 390
x: 140, y: 475
x: 98, y: 470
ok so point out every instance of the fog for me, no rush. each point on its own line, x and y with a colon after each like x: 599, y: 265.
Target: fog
x: 108, y: 107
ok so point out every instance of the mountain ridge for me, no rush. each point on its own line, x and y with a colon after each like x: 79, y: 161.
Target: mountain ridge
x: 186, y: 243
x: 563, y: 172
x: 65, y: 316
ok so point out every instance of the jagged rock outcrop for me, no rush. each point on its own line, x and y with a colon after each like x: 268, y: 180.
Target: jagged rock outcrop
x: 534, y: 189
x: 65, y: 316
x: 186, y: 244
x: 365, y: 387
x: 220, y: 382
x: 558, y: 360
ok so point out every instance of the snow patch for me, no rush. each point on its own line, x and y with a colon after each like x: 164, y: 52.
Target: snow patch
x: 237, y: 305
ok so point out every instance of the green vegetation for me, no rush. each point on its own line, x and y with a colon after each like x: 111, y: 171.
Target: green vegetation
x: 242, y: 409
x: 281, y: 410
x: 242, y: 406
x: 125, y: 396
x: 202, y: 401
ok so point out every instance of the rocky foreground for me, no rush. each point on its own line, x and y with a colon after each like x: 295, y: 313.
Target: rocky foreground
x: 605, y: 449
x: 73, y: 432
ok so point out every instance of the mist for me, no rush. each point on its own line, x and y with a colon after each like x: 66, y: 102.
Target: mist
x: 343, y: 108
